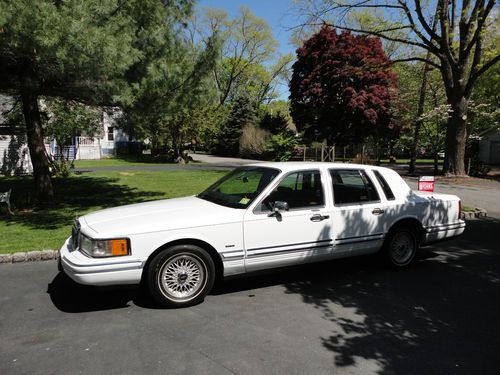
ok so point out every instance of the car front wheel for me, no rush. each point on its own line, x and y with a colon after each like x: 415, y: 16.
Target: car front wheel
x: 181, y: 276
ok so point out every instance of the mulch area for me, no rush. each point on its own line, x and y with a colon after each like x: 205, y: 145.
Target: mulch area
x: 492, y: 180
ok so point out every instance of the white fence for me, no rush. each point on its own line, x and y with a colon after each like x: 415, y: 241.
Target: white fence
x: 88, y: 148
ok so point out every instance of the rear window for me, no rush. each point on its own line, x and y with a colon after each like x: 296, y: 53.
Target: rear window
x: 385, y: 186
x: 352, y: 186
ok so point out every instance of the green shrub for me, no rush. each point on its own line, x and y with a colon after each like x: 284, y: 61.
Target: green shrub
x: 281, y: 146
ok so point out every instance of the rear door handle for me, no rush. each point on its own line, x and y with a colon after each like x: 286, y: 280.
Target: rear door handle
x: 318, y: 217
x: 377, y: 211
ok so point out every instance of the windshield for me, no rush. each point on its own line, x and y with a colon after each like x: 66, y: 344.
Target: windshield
x: 239, y: 188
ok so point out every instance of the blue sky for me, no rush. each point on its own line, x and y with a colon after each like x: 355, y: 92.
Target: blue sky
x: 276, y: 12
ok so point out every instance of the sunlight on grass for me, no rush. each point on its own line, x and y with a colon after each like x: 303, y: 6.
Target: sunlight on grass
x: 114, y: 162
x: 468, y: 209
x: 131, y: 161
x: 79, y: 194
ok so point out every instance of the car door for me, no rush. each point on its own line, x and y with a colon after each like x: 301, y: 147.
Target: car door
x: 300, y: 234
x: 357, y: 213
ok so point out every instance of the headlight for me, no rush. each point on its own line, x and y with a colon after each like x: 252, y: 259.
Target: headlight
x: 104, y: 248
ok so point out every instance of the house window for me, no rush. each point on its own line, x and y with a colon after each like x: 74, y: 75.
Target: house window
x: 111, y: 136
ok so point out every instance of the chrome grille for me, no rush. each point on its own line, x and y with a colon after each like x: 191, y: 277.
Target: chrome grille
x: 75, y: 231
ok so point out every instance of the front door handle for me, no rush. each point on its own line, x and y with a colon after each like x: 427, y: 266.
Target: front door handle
x: 318, y: 217
x: 377, y: 211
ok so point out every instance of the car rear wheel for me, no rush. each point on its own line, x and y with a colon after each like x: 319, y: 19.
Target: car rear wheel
x: 181, y: 276
x: 400, y: 247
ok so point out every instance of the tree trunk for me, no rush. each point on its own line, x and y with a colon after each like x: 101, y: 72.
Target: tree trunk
x: 174, y: 133
x: 418, y: 121
x: 421, y: 103
x: 44, y: 191
x: 456, y: 136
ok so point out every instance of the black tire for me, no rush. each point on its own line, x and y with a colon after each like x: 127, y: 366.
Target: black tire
x: 181, y: 276
x: 400, y: 247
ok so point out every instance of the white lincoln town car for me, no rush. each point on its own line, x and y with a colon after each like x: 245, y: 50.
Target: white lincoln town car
x: 257, y: 217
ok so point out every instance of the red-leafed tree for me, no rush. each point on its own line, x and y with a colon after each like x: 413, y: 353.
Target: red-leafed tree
x: 342, y: 88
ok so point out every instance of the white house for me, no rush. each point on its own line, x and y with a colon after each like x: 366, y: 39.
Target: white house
x: 95, y: 148
x: 14, y: 152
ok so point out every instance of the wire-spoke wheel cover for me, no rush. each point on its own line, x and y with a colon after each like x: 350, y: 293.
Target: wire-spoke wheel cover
x: 402, y: 248
x: 182, y: 277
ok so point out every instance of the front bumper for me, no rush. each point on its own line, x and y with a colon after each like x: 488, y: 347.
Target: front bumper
x: 104, y: 271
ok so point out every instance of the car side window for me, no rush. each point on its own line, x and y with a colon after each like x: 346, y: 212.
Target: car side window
x: 385, y: 186
x: 352, y: 186
x: 300, y: 190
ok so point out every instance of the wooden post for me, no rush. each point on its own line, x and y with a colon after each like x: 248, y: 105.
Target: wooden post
x: 333, y: 153
x: 322, y: 148
x: 305, y: 153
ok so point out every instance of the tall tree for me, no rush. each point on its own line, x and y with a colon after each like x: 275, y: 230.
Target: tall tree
x: 65, y: 119
x: 245, y: 55
x: 168, y: 98
x: 421, y: 103
x: 242, y: 113
x: 276, y: 118
x: 87, y: 51
x: 456, y: 47
x: 342, y: 87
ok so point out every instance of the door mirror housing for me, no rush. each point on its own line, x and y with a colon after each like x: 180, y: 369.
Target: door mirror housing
x: 279, y: 206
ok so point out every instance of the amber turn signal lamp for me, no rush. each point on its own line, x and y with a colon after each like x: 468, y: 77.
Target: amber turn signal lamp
x: 119, y: 247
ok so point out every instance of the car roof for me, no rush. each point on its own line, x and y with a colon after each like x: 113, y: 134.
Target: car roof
x: 289, y: 166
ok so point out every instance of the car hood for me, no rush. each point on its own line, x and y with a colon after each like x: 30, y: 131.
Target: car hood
x: 159, y: 215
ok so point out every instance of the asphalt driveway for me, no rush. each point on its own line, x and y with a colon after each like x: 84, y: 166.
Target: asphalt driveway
x: 343, y: 317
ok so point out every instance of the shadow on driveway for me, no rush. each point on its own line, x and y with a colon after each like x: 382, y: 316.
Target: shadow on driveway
x: 440, y: 316
x: 70, y: 297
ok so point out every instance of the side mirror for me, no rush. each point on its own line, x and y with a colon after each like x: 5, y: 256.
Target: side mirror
x: 280, y: 206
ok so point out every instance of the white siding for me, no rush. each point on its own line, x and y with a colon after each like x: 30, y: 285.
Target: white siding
x: 88, y: 148
x: 14, y: 156
x: 88, y: 153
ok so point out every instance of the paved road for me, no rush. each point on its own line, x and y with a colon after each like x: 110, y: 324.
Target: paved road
x: 344, y: 317
x: 207, y: 162
x: 212, y: 159
x: 157, y: 168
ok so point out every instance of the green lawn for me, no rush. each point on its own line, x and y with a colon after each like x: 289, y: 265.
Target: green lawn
x: 119, y: 162
x: 112, y: 162
x: 48, y: 228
